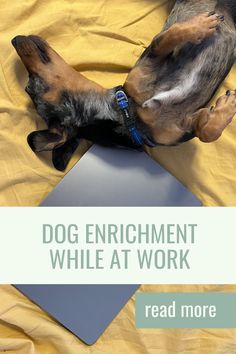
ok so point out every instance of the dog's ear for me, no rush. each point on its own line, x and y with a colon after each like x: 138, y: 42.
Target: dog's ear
x: 45, y: 140
x: 62, y: 155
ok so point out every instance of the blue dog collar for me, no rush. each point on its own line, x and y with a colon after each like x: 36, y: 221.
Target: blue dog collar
x: 123, y: 103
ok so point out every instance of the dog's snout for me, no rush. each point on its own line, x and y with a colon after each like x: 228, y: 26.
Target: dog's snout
x: 31, y: 46
x: 17, y: 40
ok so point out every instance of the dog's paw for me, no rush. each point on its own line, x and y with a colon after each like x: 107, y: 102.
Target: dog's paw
x: 221, y: 115
x: 226, y: 104
x: 203, y: 26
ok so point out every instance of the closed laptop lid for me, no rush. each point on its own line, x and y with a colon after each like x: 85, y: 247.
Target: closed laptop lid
x: 104, y: 177
x: 86, y: 310
x: 118, y: 177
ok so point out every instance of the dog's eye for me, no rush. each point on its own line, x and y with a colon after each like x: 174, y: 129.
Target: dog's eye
x: 27, y: 89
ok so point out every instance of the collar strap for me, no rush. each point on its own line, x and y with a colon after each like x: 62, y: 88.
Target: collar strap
x: 129, y: 121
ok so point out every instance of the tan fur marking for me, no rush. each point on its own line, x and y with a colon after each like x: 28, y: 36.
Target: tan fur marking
x: 168, y: 135
x: 133, y: 84
x: 57, y: 74
x: 209, y: 125
x: 194, y: 31
x: 60, y: 76
x: 161, y: 133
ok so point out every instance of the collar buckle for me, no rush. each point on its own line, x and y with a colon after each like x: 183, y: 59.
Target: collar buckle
x: 123, y: 103
x: 122, y: 99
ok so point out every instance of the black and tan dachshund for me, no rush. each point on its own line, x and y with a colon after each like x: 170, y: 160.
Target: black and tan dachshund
x: 162, y: 102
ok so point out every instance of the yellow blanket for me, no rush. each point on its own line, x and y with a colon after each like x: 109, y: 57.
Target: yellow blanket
x: 25, y: 329
x: 102, y: 39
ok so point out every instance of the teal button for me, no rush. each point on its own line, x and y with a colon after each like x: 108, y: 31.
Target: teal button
x: 186, y: 310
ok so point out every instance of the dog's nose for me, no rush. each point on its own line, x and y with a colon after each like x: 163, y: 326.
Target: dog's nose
x: 16, y: 40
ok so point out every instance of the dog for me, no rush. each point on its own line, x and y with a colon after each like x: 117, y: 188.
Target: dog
x: 163, y: 100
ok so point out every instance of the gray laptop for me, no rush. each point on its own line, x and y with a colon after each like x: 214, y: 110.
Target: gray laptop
x: 115, y: 177
x: 85, y: 310
x: 104, y: 177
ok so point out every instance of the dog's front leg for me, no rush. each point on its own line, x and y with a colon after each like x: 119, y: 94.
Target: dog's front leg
x: 180, y: 33
x: 209, y: 124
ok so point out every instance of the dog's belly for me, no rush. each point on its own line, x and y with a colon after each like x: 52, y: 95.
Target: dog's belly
x: 188, y: 79
x: 177, y: 93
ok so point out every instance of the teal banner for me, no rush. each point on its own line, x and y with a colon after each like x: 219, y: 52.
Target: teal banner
x: 186, y: 310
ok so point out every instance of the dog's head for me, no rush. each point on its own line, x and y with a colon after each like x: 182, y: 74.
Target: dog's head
x: 71, y: 105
